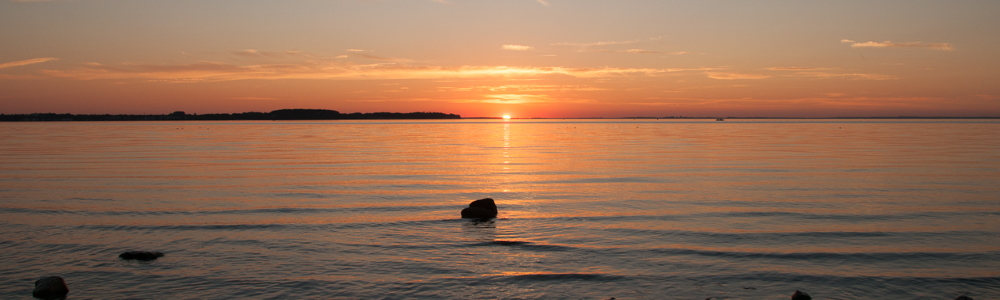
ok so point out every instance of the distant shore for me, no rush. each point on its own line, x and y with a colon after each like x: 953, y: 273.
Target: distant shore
x: 281, y: 114
x: 325, y: 114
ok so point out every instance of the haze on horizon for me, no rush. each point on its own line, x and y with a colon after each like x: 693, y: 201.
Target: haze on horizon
x: 524, y: 58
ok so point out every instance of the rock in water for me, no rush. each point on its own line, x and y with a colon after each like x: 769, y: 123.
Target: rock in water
x: 963, y: 297
x: 798, y: 295
x: 50, y: 288
x: 141, y: 255
x: 481, y: 209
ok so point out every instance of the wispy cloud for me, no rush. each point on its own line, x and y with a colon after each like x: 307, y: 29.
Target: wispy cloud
x: 849, y: 76
x: 829, y: 73
x: 794, y: 68
x: 609, y: 47
x: 515, y: 98
x: 375, y: 57
x: 517, y: 47
x: 362, y: 53
x: 644, y: 51
x: 735, y: 76
x: 522, y: 88
x: 26, y: 62
x: 218, y: 71
x: 641, y: 51
x: 594, y: 44
x: 543, y: 2
x: 257, y: 53
x: 891, y: 44
x: 18, y: 77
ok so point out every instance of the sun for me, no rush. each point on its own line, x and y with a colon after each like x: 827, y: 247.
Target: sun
x: 506, y: 117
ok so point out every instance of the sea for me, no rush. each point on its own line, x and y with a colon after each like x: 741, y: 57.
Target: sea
x: 588, y: 209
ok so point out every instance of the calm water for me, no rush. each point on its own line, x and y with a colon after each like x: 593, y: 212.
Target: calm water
x: 647, y: 209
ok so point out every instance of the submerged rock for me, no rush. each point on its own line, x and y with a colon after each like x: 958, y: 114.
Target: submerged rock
x: 963, y: 297
x: 50, y: 288
x: 481, y: 209
x: 141, y: 255
x: 798, y: 295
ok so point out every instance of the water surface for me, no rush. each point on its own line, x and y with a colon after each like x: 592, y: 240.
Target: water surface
x: 589, y: 209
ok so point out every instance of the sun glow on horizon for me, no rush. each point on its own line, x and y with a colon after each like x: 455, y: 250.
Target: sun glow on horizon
x: 506, y: 117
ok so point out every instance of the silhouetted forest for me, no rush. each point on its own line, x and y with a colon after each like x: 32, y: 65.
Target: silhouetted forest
x: 281, y: 114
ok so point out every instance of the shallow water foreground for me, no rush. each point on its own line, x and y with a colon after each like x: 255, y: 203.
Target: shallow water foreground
x: 589, y: 209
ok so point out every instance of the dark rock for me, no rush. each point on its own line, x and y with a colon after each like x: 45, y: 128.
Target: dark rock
x: 963, y: 297
x: 798, y: 295
x: 141, y: 255
x: 50, y: 288
x: 481, y: 209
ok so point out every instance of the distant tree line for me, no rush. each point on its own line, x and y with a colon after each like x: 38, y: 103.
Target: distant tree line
x: 281, y: 114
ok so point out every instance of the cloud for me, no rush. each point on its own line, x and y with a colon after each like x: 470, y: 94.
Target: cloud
x: 520, y: 99
x: 850, y: 76
x: 822, y: 73
x: 18, y: 77
x: 517, y: 47
x: 360, y: 53
x: 515, y: 99
x: 891, y: 44
x: 375, y: 57
x: 735, y: 76
x: 208, y: 71
x: 523, y: 88
x: 543, y: 2
x: 593, y: 44
x: 26, y: 62
x: 640, y: 51
x: 256, y: 53
x: 793, y: 68
x: 608, y: 47
x: 644, y: 51
x: 247, y: 52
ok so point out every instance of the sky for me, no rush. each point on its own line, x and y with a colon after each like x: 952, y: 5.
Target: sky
x: 487, y: 58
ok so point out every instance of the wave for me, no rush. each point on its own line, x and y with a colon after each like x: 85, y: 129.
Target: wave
x: 750, y: 276
x: 784, y: 215
x: 524, y: 245
x: 792, y: 236
x: 270, y: 227
x: 278, y: 210
x: 855, y: 257
x: 562, y: 277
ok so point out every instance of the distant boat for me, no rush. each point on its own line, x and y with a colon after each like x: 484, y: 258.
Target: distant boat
x: 720, y: 119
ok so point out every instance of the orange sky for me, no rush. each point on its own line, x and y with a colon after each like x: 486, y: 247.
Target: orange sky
x: 526, y: 58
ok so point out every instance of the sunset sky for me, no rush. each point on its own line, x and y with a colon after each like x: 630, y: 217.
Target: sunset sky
x: 487, y: 58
